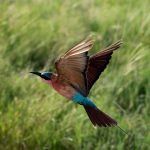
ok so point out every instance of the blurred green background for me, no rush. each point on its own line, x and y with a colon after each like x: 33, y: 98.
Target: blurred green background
x: 35, y: 32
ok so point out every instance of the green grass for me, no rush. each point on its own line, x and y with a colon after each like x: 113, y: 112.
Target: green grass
x: 33, y: 33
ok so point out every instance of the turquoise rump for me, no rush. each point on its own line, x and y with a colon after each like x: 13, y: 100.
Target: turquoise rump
x: 82, y: 100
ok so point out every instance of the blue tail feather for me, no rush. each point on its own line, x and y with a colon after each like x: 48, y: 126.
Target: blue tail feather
x: 96, y: 116
x: 82, y: 100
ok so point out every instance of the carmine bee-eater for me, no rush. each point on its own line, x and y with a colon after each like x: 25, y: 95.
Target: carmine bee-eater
x: 76, y: 74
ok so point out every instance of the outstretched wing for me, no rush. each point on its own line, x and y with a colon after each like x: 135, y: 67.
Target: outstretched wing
x: 97, y: 64
x: 72, y: 65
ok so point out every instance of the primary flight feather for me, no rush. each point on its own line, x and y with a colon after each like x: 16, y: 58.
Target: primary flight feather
x: 76, y: 72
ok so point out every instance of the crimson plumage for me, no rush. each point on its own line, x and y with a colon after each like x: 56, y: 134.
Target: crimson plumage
x: 76, y: 73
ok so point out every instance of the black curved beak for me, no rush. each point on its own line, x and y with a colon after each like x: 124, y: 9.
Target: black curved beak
x: 36, y: 73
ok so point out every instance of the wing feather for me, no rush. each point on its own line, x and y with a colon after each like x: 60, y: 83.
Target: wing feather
x: 80, y: 48
x: 98, y: 62
x: 72, y: 65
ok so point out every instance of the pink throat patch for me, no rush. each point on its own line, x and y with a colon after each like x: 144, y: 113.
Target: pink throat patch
x: 48, y: 81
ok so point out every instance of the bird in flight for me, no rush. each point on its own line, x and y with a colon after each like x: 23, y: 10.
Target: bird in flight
x: 76, y: 73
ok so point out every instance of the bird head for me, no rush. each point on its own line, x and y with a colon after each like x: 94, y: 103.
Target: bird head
x: 43, y: 75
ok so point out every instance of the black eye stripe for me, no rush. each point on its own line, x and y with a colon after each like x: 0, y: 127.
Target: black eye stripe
x: 46, y: 78
x: 46, y: 75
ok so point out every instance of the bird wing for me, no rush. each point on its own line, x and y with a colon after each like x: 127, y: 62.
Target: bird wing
x: 98, y: 62
x: 72, y: 65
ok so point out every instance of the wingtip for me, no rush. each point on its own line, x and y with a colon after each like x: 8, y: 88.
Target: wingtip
x: 115, y: 45
x: 89, y: 38
x: 118, y: 43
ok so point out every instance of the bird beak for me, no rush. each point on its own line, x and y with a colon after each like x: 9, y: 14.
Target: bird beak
x: 36, y: 73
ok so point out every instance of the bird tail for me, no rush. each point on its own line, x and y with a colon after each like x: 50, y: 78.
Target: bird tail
x: 98, y: 117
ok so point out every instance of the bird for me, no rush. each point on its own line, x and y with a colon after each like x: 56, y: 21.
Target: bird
x: 76, y: 72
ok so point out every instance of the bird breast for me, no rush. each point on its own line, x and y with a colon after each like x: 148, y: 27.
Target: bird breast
x: 65, y: 90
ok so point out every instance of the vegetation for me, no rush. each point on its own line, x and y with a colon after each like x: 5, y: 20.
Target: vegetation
x: 33, y: 33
